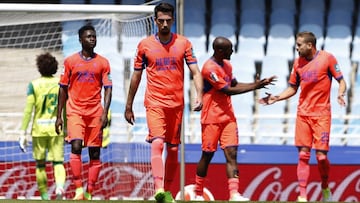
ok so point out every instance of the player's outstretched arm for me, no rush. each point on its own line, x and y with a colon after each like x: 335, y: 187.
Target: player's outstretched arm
x: 240, y: 88
x: 270, y: 99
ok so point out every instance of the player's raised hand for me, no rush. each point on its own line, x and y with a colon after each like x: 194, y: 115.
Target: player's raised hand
x: 266, y: 81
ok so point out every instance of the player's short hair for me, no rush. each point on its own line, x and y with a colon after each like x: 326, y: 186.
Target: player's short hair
x: 47, y: 64
x: 164, y: 7
x: 308, y: 37
x: 84, y: 28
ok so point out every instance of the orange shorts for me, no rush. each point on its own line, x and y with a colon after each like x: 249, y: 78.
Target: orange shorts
x: 164, y: 123
x: 226, y: 134
x: 313, y: 132
x: 87, y: 129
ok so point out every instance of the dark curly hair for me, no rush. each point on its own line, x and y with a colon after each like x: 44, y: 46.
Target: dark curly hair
x: 84, y: 28
x: 47, y: 64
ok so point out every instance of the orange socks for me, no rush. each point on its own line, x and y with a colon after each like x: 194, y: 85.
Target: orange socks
x: 303, y: 172
x: 76, y: 168
x: 157, y: 165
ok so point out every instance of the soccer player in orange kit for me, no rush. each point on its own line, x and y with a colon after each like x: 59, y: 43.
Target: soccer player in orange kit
x: 162, y: 56
x: 313, y: 72
x: 85, y: 74
x: 218, y: 121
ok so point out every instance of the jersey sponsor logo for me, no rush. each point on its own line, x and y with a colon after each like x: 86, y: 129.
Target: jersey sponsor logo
x: 86, y: 76
x: 309, y: 76
x: 165, y: 63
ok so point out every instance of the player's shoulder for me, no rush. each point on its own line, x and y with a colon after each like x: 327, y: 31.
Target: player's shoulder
x: 147, y: 39
x: 180, y: 37
x: 72, y: 58
x: 324, y: 53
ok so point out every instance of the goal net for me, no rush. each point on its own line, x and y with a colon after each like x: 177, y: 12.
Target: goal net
x: 29, y: 30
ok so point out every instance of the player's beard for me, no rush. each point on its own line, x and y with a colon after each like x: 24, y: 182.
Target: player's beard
x: 165, y: 31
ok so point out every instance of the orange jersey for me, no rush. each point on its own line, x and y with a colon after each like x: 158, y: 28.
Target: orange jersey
x: 164, y: 64
x: 85, y: 79
x: 217, y: 107
x: 314, y: 78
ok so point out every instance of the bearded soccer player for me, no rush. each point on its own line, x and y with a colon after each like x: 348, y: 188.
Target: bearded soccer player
x: 162, y: 56
x: 218, y: 121
x: 42, y: 97
x: 85, y: 74
x: 313, y: 72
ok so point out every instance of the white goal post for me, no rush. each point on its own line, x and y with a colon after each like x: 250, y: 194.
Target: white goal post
x: 27, y: 30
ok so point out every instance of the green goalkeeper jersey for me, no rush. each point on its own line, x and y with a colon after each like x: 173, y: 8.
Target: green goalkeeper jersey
x: 42, y: 97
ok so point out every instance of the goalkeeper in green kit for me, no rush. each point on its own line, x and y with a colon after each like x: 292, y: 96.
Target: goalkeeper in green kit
x: 42, y: 97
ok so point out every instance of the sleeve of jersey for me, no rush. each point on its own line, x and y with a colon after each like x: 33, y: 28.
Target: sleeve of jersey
x: 293, y: 79
x: 334, y: 67
x: 30, y: 101
x: 106, y: 76
x: 190, y: 57
x: 65, y: 75
x: 215, y: 78
x: 140, y: 61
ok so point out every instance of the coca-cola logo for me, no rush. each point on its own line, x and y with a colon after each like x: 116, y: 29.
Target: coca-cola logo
x: 121, y: 180
x: 275, y: 190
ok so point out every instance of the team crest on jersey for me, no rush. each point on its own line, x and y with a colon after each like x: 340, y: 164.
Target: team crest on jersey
x: 337, y: 67
x: 214, y: 77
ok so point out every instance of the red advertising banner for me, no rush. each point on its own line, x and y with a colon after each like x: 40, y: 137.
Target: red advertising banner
x: 259, y: 182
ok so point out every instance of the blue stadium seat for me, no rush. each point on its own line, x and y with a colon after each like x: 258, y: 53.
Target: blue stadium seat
x: 281, y: 30
x: 102, y: 1
x: 313, y: 21
x: 346, y: 5
x: 224, y: 4
x: 338, y: 47
x: 243, y: 67
x: 253, y: 4
x: 281, y: 48
x: 284, y: 4
x: 276, y: 65
x: 252, y: 48
x: 132, y: 2
x: 195, y: 32
x: 223, y: 23
x: 72, y: 1
x: 252, y: 26
x: 282, y: 16
x: 338, y: 33
x: 318, y: 5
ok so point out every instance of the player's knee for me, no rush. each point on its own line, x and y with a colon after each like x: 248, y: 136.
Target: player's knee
x: 158, y: 144
x: 173, y: 149
x: 94, y: 153
x: 321, y: 157
x: 304, y: 156
x: 76, y: 146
